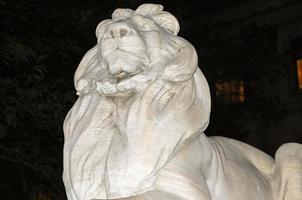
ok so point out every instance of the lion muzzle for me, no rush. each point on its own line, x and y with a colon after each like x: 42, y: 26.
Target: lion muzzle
x: 123, y: 50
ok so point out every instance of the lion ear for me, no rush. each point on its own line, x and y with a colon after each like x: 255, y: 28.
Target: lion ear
x: 149, y: 9
x: 101, y: 28
x: 167, y: 21
x: 121, y: 13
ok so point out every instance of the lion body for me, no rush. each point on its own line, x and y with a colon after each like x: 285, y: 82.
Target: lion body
x: 136, y: 130
x: 236, y: 171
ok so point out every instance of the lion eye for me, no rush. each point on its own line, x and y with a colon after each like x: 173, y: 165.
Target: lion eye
x: 147, y: 27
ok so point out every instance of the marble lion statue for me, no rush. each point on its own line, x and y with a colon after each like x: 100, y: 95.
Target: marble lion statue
x: 136, y: 129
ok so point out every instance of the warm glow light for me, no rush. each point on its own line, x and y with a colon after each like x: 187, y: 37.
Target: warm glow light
x: 230, y: 91
x: 299, y: 72
x: 42, y: 196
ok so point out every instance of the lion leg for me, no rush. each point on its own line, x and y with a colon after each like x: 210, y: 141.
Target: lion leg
x: 288, y: 174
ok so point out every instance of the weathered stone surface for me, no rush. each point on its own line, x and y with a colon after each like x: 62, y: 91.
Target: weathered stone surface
x: 136, y: 130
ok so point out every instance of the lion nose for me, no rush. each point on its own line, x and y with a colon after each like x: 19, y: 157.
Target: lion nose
x: 118, y: 30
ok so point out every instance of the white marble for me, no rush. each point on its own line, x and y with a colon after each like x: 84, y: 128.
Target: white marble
x: 136, y: 130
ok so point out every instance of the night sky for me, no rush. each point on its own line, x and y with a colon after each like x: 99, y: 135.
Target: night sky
x: 247, y: 51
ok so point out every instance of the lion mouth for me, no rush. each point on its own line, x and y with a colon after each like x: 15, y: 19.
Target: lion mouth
x: 122, y: 63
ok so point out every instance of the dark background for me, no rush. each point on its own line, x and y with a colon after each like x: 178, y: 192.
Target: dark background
x: 247, y: 50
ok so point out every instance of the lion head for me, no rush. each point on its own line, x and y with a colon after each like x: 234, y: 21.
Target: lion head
x: 132, y: 40
x: 135, y: 42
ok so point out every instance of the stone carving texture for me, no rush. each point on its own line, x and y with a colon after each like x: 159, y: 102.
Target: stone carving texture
x: 136, y: 130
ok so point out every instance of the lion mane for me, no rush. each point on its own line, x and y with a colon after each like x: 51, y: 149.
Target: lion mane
x: 141, y: 97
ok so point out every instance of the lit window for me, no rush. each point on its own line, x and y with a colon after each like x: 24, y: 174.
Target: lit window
x: 230, y: 91
x: 299, y: 72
